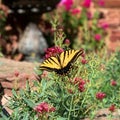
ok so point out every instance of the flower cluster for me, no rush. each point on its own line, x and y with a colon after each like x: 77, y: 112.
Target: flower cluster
x: 86, y: 3
x: 81, y: 83
x: 75, y: 11
x: 67, y: 41
x: 112, y: 108
x: 100, y: 95
x: 103, y: 25
x: 97, y: 37
x: 67, y: 4
x: 81, y: 86
x: 83, y: 60
x: 113, y: 83
x: 53, y: 51
x: 82, y: 15
x: 101, y: 2
x: 44, y: 107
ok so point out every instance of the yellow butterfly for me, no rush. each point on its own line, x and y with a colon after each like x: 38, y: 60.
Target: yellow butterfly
x: 61, y: 63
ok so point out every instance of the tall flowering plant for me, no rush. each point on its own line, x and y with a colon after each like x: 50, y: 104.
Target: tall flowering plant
x: 81, y: 23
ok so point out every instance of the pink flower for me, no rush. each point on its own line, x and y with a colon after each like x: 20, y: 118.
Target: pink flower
x: 75, y: 11
x: 67, y: 41
x: 52, y: 109
x: 44, y: 107
x: 81, y: 88
x: 53, y: 51
x: 113, y: 83
x: 67, y: 4
x: 86, y: 3
x: 103, y: 25
x: 83, y: 61
x: 77, y: 80
x: 100, y: 95
x: 89, y: 15
x: 83, y: 55
x: 97, y: 37
x: 16, y: 73
x: 44, y: 74
x: 81, y: 85
x: 112, y: 108
x: 101, y: 2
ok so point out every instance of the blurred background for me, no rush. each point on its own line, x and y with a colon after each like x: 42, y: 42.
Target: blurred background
x: 26, y: 31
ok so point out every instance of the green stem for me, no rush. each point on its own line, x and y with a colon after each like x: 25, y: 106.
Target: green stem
x: 70, y: 108
x: 85, y: 95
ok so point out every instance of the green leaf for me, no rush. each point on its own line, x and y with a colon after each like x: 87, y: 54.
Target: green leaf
x: 14, y: 93
x: 61, y: 118
x: 29, y: 103
x: 3, y: 117
x: 50, y: 83
x: 26, y: 116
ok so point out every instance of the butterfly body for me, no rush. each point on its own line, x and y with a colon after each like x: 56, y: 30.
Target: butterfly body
x: 61, y: 63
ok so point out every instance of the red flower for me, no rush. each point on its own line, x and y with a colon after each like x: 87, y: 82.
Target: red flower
x: 53, y: 51
x: 67, y: 3
x: 103, y: 25
x: 44, y: 74
x: 83, y: 55
x: 67, y: 41
x: 86, y: 3
x: 89, y: 15
x: 83, y: 61
x: 101, y: 2
x: 75, y: 11
x: 112, y: 108
x: 16, y: 73
x: 44, y: 107
x: 52, y: 109
x: 77, y: 80
x: 113, y: 83
x: 81, y: 88
x: 81, y: 85
x: 100, y: 95
x: 97, y: 37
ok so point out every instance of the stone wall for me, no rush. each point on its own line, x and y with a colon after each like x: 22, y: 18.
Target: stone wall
x: 112, y: 17
x: 110, y: 3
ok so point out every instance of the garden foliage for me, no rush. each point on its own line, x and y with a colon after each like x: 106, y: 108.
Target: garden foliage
x: 91, y: 84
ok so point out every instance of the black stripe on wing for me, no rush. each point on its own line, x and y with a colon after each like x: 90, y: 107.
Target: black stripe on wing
x: 55, y: 61
x: 64, y: 57
x: 76, y: 56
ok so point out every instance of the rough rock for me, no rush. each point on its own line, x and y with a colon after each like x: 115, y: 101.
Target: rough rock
x: 14, y: 74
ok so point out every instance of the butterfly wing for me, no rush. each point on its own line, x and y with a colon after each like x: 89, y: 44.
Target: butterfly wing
x: 51, y: 64
x: 61, y: 63
x: 69, y: 57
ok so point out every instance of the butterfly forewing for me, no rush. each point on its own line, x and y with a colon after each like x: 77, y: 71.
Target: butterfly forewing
x: 69, y: 56
x: 50, y: 63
